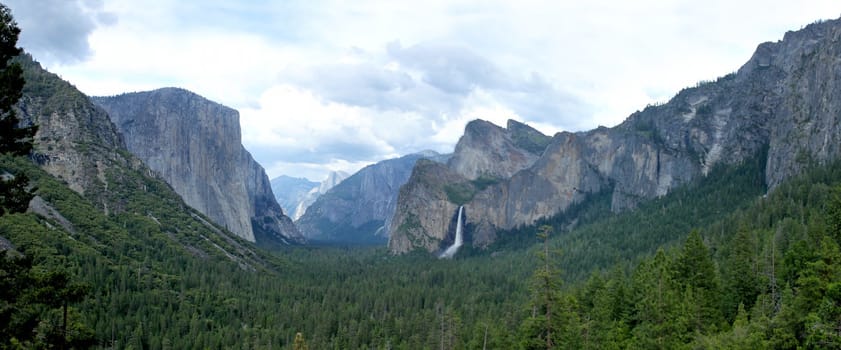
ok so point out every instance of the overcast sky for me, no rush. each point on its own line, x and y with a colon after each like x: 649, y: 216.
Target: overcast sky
x: 336, y: 85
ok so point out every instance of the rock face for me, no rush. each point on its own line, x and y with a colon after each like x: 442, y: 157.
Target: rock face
x: 290, y: 191
x: 195, y: 145
x: 79, y: 145
x: 333, y: 179
x: 487, y: 150
x: 76, y: 142
x: 359, y: 208
x: 785, y: 100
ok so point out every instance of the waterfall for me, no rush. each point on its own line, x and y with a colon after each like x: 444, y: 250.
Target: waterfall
x: 451, y: 250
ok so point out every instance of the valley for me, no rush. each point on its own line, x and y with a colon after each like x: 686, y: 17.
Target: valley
x: 710, y: 221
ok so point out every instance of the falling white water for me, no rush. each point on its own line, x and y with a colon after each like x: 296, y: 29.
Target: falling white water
x: 451, y: 250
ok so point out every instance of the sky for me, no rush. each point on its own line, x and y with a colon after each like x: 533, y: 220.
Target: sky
x: 337, y: 85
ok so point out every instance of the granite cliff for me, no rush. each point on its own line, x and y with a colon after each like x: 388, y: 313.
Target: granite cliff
x: 290, y: 191
x: 359, y: 209
x: 784, y: 104
x: 333, y: 179
x: 76, y: 142
x: 195, y: 146
x: 78, y: 145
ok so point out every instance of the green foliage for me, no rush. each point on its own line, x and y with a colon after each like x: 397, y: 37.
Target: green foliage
x: 533, y: 142
x: 15, y: 194
x: 754, y: 273
x: 542, y: 330
x: 592, y: 238
x: 156, y: 283
x: 460, y: 193
x: 34, y: 306
x: 15, y: 139
x: 483, y: 182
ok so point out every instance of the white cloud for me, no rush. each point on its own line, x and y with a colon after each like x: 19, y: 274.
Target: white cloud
x: 336, y: 85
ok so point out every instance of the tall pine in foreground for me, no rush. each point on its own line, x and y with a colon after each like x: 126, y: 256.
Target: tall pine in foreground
x: 34, y: 300
x: 15, y: 139
x: 553, y: 321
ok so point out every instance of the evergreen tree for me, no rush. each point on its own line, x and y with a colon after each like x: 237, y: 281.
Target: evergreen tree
x: 833, y: 215
x: 741, y: 277
x: 552, y: 322
x: 15, y: 193
x: 14, y: 138
x: 695, y: 272
x: 659, y: 317
x: 29, y: 296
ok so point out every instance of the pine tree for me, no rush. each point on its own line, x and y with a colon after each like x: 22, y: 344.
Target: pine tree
x: 695, y: 271
x: 659, y: 316
x: 741, y: 275
x: 833, y: 215
x: 14, y: 139
x: 550, y: 317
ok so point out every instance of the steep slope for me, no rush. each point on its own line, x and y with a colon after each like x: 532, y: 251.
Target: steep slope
x: 485, y: 156
x: 105, y: 220
x: 114, y: 195
x: 487, y: 150
x: 289, y: 191
x: 76, y: 142
x: 359, y: 208
x: 784, y: 100
x: 195, y: 145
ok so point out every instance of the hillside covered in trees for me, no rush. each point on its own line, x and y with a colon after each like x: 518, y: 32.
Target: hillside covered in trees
x: 719, y: 263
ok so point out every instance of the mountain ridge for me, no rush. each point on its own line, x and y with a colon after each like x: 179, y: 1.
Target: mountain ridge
x: 195, y: 144
x: 360, y: 208
x: 289, y: 191
x: 761, y: 106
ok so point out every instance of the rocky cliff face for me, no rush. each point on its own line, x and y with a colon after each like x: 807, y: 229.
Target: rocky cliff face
x: 195, y: 145
x: 290, y: 191
x: 359, y: 208
x: 76, y: 142
x: 489, y: 151
x: 333, y: 179
x: 785, y: 100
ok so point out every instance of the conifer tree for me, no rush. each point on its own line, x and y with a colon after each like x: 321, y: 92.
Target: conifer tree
x: 543, y: 328
x: 14, y: 138
x: 695, y: 271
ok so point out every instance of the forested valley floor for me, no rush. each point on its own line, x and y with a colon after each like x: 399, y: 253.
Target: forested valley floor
x: 714, y: 265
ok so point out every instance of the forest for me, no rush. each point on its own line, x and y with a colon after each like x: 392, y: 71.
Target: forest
x: 759, y: 272
x: 720, y: 263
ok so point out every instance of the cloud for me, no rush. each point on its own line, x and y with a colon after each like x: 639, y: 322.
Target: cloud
x: 333, y: 85
x: 439, y: 81
x: 57, y: 31
x: 292, y: 125
x: 360, y: 84
x: 450, y: 68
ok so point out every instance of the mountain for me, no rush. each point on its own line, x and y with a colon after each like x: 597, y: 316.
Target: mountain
x: 333, y: 179
x: 289, y: 191
x: 195, y: 145
x: 781, y: 104
x: 95, y: 192
x: 105, y: 226
x: 359, y: 208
